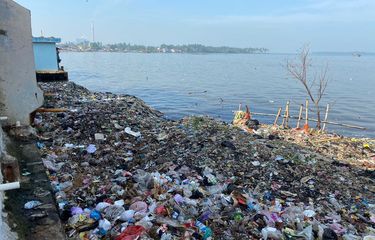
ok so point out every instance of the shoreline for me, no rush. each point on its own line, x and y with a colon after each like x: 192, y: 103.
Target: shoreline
x: 269, y: 175
x: 172, y: 79
x: 167, y: 53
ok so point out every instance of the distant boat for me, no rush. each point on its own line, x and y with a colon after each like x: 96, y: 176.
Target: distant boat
x: 356, y: 54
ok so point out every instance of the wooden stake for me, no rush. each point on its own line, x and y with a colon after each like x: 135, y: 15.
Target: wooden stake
x: 52, y: 110
x: 306, y: 126
x: 299, y: 115
x: 314, y: 120
x: 287, y: 114
x: 307, y: 113
x: 49, y: 94
x: 277, y: 116
x: 325, y: 117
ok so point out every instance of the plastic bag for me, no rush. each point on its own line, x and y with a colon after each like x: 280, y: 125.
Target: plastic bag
x: 216, y: 189
x: 52, y: 166
x: 307, y: 233
x: 131, y: 233
x: 32, y: 204
x: 65, y: 185
x: 145, y: 222
x: 95, y: 215
x: 127, y: 215
x: 113, y: 212
x: 91, y: 148
x: 271, y: 233
x: 337, y: 228
x: 101, y: 206
x: 105, y: 224
x: 139, y: 207
x: 76, y: 210
x: 144, y: 179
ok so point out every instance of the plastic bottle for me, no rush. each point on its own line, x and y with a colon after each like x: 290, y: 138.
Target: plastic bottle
x: 200, y: 226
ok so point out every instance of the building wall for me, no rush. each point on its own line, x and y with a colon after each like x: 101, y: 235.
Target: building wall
x: 45, y: 56
x: 5, y: 232
x: 19, y: 92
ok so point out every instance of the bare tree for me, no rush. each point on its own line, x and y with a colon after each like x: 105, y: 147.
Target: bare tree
x: 299, y: 71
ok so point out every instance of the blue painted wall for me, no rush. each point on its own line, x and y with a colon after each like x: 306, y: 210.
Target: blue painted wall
x: 45, y: 56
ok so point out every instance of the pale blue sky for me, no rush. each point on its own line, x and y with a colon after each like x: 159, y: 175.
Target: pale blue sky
x: 280, y: 25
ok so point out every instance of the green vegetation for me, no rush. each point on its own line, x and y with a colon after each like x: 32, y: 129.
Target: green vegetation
x: 164, y: 48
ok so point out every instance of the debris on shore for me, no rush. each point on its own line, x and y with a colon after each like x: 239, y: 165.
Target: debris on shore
x: 121, y: 171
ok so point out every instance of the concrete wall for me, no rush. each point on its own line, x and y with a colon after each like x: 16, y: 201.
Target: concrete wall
x: 19, y: 93
x: 45, y: 56
x: 5, y: 232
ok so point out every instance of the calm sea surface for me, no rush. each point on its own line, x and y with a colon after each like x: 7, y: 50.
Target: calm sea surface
x: 214, y: 84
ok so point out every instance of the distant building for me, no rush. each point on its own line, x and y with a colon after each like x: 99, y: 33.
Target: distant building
x: 82, y: 40
x: 46, y: 54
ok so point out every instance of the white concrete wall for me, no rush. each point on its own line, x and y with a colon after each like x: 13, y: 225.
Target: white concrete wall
x: 19, y: 92
x: 45, y: 56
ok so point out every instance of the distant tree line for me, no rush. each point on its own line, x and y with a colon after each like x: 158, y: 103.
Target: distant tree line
x: 163, y: 48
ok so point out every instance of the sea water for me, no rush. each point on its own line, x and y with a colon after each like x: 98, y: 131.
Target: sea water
x: 215, y: 84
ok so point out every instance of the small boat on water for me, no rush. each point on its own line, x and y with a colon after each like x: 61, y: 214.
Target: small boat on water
x: 356, y: 54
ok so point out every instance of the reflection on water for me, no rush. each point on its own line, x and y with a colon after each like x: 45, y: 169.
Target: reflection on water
x: 185, y: 84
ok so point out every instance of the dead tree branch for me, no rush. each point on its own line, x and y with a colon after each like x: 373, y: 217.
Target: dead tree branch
x: 299, y: 71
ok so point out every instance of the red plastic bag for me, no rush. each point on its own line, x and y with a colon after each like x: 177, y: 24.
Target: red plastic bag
x: 131, y: 233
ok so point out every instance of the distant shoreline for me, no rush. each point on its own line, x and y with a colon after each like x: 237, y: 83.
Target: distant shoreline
x: 163, y: 48
x: 167, y: 53
x: 207, y: 53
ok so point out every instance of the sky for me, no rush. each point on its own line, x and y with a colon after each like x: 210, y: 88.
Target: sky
x: 279, y: 25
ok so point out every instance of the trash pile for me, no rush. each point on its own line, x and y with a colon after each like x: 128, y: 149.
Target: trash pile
x: 358, y: 152
x: 119, y: 170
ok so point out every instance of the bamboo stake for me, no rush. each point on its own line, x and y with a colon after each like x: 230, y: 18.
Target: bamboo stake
x: 48, y: 94
x: 299, y: 115
x: 277, y: 116
x: 287, y: 114
x: 284, y: 117
x: 51, y: 110
x: 307, y: 113
x: 325, y: 117
x: 314, y: 120
x: 282, y: 123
